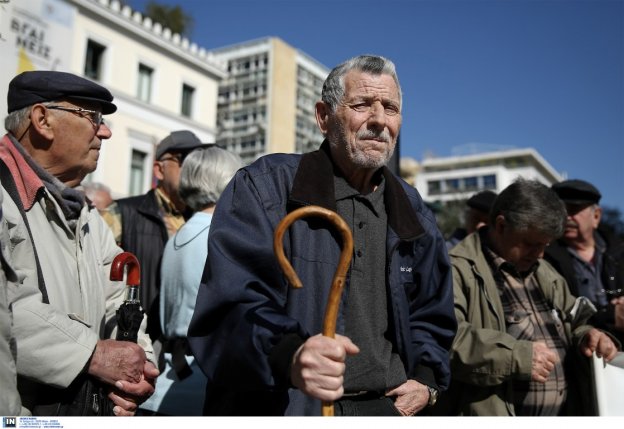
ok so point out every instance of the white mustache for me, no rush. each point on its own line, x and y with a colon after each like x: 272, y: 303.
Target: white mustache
x: 383, y: 136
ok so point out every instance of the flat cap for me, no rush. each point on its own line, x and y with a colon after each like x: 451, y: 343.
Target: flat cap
x: 33, y: 87
x: 577, y: 192
x: 178, y: 141
x: 482, y: 201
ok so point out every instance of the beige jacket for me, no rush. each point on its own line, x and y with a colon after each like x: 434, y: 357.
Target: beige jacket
x: 55, y: 341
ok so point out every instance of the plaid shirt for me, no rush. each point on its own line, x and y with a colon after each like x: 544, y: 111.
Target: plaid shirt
x: 529, y: 317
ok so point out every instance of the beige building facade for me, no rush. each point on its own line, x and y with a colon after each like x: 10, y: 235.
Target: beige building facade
x: 266, y: 104
x: 161, y: 82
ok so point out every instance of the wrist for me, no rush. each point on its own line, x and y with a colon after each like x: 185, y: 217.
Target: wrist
x: 433, y: 396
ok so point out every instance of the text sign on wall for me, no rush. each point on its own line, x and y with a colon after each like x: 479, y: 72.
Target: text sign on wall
x: 34, y: 35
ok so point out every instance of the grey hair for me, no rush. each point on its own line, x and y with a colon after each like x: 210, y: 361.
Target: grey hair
x: 529, y: 204
x: 205, y: 174
x: 334, y: 88
x: 91, y: 187
x: 15, y: 120
x: 96, y: 186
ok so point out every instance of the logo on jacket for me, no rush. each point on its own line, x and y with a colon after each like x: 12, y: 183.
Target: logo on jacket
x: 406, y: 269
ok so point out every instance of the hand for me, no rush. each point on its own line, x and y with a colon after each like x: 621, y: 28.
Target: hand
x: 544, y: 361
x: 618, y: 304
x: 117, y: 360
x: 128, y: 396
x: 599, y: 342
x: 318, y: 366
x: 411, y: 397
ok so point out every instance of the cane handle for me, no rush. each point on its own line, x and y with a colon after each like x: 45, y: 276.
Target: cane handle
x: 126, y: 259
x: 333, y: 301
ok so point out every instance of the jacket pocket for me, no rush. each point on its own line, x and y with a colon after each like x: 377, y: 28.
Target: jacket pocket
x: 78, y: 318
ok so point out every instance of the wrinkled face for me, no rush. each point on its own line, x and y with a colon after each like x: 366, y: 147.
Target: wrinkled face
x: 520, y: 248
x: 364, y: 128
x: 75, y: 150
x: 581, y: 222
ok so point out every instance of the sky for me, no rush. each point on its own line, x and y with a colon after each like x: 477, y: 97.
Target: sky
x: 476, y: 75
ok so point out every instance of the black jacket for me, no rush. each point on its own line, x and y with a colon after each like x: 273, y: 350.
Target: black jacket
x: 612, y: 276
x: 144, y: 233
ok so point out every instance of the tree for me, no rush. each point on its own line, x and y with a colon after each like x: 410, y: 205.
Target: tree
x: 612, y: 220
x: 172, y: 17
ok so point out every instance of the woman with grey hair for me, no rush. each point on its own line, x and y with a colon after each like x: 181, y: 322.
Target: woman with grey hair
x: 180, y: 387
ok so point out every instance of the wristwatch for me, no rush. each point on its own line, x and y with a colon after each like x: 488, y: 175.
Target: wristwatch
x: 433, y: 396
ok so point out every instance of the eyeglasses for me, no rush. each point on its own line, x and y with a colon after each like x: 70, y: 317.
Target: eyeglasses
x: 94, y: 116
x: 175, y: 157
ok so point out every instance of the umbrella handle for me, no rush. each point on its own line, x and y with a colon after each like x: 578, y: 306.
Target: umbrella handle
x: 335, y: 293
x: 134, y: 269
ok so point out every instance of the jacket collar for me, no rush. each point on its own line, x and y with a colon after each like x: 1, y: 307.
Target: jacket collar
x: 26, y: 180
x: 314, y: 185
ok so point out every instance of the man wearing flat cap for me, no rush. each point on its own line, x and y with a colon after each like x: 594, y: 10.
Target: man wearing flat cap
x: 63, y: 301
x: 589, y: 257
x: 147, y: 221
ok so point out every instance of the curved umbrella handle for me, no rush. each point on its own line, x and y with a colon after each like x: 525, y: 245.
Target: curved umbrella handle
x: 134, y: 269
x: 333, y: 302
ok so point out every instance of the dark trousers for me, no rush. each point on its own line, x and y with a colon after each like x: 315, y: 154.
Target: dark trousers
x: 367, y: 404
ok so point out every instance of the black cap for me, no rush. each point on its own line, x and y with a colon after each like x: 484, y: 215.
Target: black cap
x: 577, y: 192
x: 482, y: 201
x: 178, y: 141
x: 33, y: 87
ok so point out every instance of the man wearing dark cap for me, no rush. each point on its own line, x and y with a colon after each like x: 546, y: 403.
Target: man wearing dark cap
x: 62, y: 250
x: 147, y: 221
x: 589, y: 257
x: 476, y: 215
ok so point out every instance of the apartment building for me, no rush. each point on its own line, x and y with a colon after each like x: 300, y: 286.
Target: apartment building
x: 266, y: 103
x: 161, y: 82
x: 458, y: 177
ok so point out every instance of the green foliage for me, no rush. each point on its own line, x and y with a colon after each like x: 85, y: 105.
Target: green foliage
x: 449, y: 216
x: 172, y: 17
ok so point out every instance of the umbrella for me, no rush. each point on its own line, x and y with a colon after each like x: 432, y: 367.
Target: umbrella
x: 130, y: 313
x: 333, y: 302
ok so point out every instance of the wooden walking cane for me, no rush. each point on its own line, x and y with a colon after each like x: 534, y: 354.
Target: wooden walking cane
x: 333, y: 302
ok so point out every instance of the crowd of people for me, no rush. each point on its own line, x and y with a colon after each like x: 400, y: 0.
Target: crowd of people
x: 500, y: 318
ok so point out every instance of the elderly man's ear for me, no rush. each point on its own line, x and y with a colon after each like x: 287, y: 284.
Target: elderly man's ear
x: 41, y: 121
x: 322, y: 115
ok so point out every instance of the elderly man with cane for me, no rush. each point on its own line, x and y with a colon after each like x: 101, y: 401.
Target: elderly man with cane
x: 257, y: 340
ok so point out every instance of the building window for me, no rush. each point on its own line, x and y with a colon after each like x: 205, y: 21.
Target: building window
x: 471, y: 183
x: 93, y: 60
x: 187, y: 100
x: 433, y: 187
x: 489, y: 182
x: 137, y: 172
x: 452, y: 185
x: 144, y: 86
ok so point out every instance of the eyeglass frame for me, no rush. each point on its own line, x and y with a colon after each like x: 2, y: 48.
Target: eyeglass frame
x: 99, y: 117
x: 178, y: 157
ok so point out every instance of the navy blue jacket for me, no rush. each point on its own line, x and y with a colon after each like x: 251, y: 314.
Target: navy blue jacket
x: 248, y: 322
